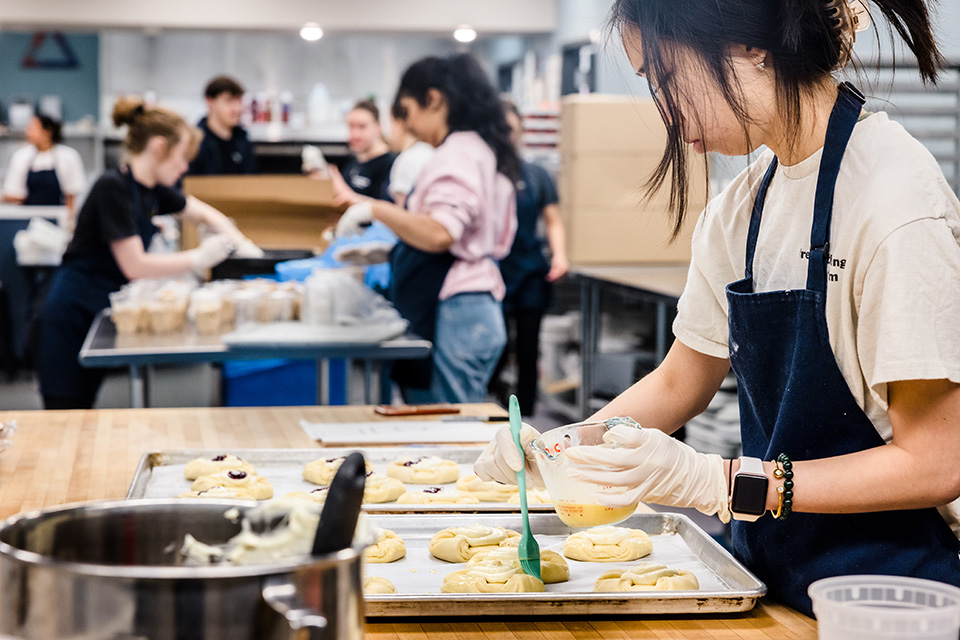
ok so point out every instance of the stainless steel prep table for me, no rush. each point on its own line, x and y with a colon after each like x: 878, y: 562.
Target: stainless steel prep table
x: 659, y: 284
x: 104, y: 348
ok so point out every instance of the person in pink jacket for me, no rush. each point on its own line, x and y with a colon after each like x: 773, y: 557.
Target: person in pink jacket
x: 458, y: 222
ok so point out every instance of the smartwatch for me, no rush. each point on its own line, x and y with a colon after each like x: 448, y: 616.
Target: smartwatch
x: 749, y: 498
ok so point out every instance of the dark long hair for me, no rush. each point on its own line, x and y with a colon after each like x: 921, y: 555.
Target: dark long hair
x: 803, y: 39
x: 473, y: 102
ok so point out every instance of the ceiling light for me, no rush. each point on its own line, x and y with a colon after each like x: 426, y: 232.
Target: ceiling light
x: 465, y: 33
x: 311, y: 32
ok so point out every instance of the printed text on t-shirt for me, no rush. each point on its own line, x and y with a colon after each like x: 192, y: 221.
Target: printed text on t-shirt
x: 832, y: 262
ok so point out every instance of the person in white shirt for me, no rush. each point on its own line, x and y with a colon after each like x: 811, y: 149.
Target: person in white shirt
x: 827, y: 276
x: 413, y: 156
x: 44, y: 171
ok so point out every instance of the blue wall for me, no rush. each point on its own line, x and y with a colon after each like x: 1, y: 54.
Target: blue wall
x: 78, y: 88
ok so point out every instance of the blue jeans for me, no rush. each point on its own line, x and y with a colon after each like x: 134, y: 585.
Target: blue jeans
x: 469, y: 340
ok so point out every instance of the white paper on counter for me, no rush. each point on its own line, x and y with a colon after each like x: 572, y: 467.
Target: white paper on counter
x: 400, y: 432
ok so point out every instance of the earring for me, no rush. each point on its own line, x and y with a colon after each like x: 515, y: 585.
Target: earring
x: 761, y: 65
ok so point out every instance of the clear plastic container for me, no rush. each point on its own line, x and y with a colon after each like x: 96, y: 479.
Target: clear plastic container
x: 246, y: 303
x: 206, y: 306
x: 573, y: 500
x: 126, y: 311
x: 868, y: 607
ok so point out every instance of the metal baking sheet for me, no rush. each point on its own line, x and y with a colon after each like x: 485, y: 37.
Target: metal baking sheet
x: 725, y: 584
x: 160, y: 474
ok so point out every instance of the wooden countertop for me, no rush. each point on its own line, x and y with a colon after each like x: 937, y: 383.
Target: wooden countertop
x: 662, y: 279
x: 71, y: 456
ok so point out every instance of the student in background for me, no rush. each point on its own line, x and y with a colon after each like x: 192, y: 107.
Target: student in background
x: 459, y: 220
x: 109, y: 247
x: 225, y: 148
x: 527, y: 271
x: 44, y: 171
x: 367, y: 173
x: 413, y: 156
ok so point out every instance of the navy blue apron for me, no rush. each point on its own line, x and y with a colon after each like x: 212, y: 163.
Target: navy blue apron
x: 415, y: 292
x: 79, y: 291
x: 43, y: 188
x: 525, y: 268
x: 794, y: 400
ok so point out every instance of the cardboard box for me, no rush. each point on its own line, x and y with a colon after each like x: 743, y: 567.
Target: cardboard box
x: 276, y: 211
x: 591, y: 181
x: 597, y: 123
x: 626, y: 236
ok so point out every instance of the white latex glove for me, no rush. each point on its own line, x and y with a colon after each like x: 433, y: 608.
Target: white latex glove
x: 355, y: 220
x: 211, y: 252
x: 311, y: 160
x: 247, y: 249
x: 652, y: 467
x: 501, y: 460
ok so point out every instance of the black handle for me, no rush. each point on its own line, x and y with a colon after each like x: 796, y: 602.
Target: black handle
x: 338, y: 520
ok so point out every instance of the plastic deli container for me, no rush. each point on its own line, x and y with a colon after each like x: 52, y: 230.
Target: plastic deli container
x: 885, y: 608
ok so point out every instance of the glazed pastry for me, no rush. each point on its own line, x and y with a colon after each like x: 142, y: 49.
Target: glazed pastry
x: 432, y: 495
x: 459, y: 544
x: 487, y: 491
x: 389, y: 547
x: 220, y: 493
x: 534, y: 496
x: 322, y: 471
x: 258, y: 486
x: 491, y: 576
x: 553, y: 568
x: 425, y: 470
x: 318, y: 495
x: 210, y: 466
x: 649, y: 576
x: 607, y: 544
x: 376, y: 586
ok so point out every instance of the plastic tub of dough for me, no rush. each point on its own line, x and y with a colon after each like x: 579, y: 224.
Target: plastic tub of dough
x: 866, y: 607
x: 574, y: 499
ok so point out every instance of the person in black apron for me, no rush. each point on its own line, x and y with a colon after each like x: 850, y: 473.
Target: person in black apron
x: 461, y: 220
x: 528, y: 273
x: 114, y: 228
x: 44, y: 173
x: 843, y: 498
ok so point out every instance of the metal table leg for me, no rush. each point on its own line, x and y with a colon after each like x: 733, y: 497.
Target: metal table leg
x: 367, y: 381
x: 323, y: 381
x: 139, y: 387
x: 347, y: 371
x: 662, y: 331
x: 589, y: 319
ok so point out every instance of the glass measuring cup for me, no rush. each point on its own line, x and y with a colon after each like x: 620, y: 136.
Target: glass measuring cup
x: 573, y: 499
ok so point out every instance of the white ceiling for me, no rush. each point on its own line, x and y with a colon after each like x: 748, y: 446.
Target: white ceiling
x: 486, y: 16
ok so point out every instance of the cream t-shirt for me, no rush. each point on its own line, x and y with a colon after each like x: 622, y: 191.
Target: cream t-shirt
x: 893, y: 291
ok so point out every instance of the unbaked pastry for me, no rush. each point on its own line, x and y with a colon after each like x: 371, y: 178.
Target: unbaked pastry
x: 534, y: 496
x: 321, y: 471
x: 382, y: 489
x: 436, y: 495
x: 459, y: 544
x: 209, y: 466
x: 425, y: 470
x: 389, y: 547
x: 376, y: 586
x: 607, y: 544
x: 219, y: 493
x: 487, y: 490
x: 318, y: 495
x: 553, y: 568
x: 258, y: 486
x: 649, y: 576
x: 491, y: 576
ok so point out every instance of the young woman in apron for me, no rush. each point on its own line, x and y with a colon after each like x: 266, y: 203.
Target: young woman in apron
x: 44, y: 172
x: 458, y: 221
x: 826, y: 275
x: 114, y: 228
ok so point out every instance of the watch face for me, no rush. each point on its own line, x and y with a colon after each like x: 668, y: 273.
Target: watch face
x: 749, y: 495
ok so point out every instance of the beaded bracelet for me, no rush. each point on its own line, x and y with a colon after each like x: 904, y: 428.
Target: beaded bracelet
x: 785, y: 491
